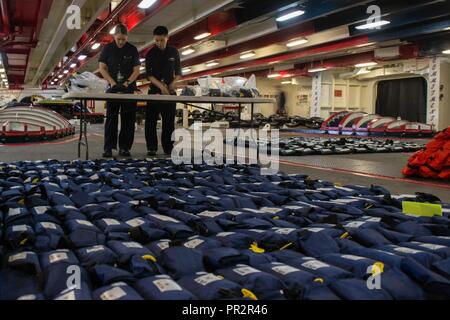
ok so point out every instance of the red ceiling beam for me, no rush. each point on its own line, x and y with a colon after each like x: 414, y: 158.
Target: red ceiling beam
x: 301, y: 53
x: 278, y: 37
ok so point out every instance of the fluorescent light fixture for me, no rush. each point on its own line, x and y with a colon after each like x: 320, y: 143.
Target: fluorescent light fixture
x: 95, y: 46
x: 247, y: 55
x: 366, y: 64
x: 113, y: 30
x: 145, y: 4
x: 186, y: 70
x: 82, y: 57
x: 286, y: 82
x: 274, y: 75
x: 73, y: 65
x: 202, y: 36
x: 187, y: 51
x: 373, y: 25
x: 60, y: 76
x: 298, y: 42
x: 317, y: 69
x: 365, y: 44
x: 446, y: 52
x: 212, y: 63
x: 290, y: 15
x: 66, y: 71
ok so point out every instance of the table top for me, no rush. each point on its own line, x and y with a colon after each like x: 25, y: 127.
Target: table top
x: 162, y: 98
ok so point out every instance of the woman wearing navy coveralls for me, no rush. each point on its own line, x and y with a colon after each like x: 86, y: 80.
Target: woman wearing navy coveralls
x: 119, y: 65
x: 163, y: 70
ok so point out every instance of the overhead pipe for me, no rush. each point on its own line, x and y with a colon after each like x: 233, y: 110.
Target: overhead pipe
x: 5, y: 17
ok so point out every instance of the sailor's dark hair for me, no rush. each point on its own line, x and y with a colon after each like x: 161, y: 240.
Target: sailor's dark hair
x: 161, y: 31
x: 121, y: 29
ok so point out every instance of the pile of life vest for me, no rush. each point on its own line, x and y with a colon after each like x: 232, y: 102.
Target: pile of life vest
x: 433, y: 161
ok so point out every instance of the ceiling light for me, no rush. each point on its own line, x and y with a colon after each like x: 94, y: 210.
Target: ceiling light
x: 290, y: 15
x: 95, y: 46
x: 365, y: 44
x: 294, y: 43
x: 187, y: 51
x: 113, y: 31
x: 373, y: 25
x: 317, y: 69
x: 247, y: 55
x: 202, y: 36
x: 446, y: 52
x: 186, y: 70
x: 60, y: 76
x: 212, y: 63
x: 66, y: 71
x: 145, y: 4
x: 274, y: 75
x: 82, y: 57
x: 286, y: 82
x: 73, y: 65
x: 365, y: 64
x: 142, y: 60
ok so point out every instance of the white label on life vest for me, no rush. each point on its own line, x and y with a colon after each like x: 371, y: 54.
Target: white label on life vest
x: 285, y: 230
x: 224, y: 234
x: 95, y: 249
x: 67, y: 296
x: 41, y: 210
x: 214, y: 198
x: 14, y: 212
x: 294, y: 207
x: 163, y: 245
x: 21, y: 228
x: 193, y: 243
x: 164, y: 218
x: 165, y: 285
x: 407, y: 250
x: 234, y: 213
x: 355, y: 224
x: 19, y: 256
x: 271, y: 210
x: 284, y: 269
x: 132, y: 245
x: 113, y: 294
x: 243, y: 271
x: 135, y: 222
x: 210, y: 214
x: 257, y: 230
x: 352, y: 257
x: 315, y: 230
x: 59, y: 256
x: 207, y: 279
x: 429, y: 245
x: 314, y: 265
x: 111, y: 222
x: 85, y: 223
x: 49, y: 225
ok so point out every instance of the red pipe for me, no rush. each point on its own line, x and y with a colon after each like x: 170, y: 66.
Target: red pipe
x: 5, y: 16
